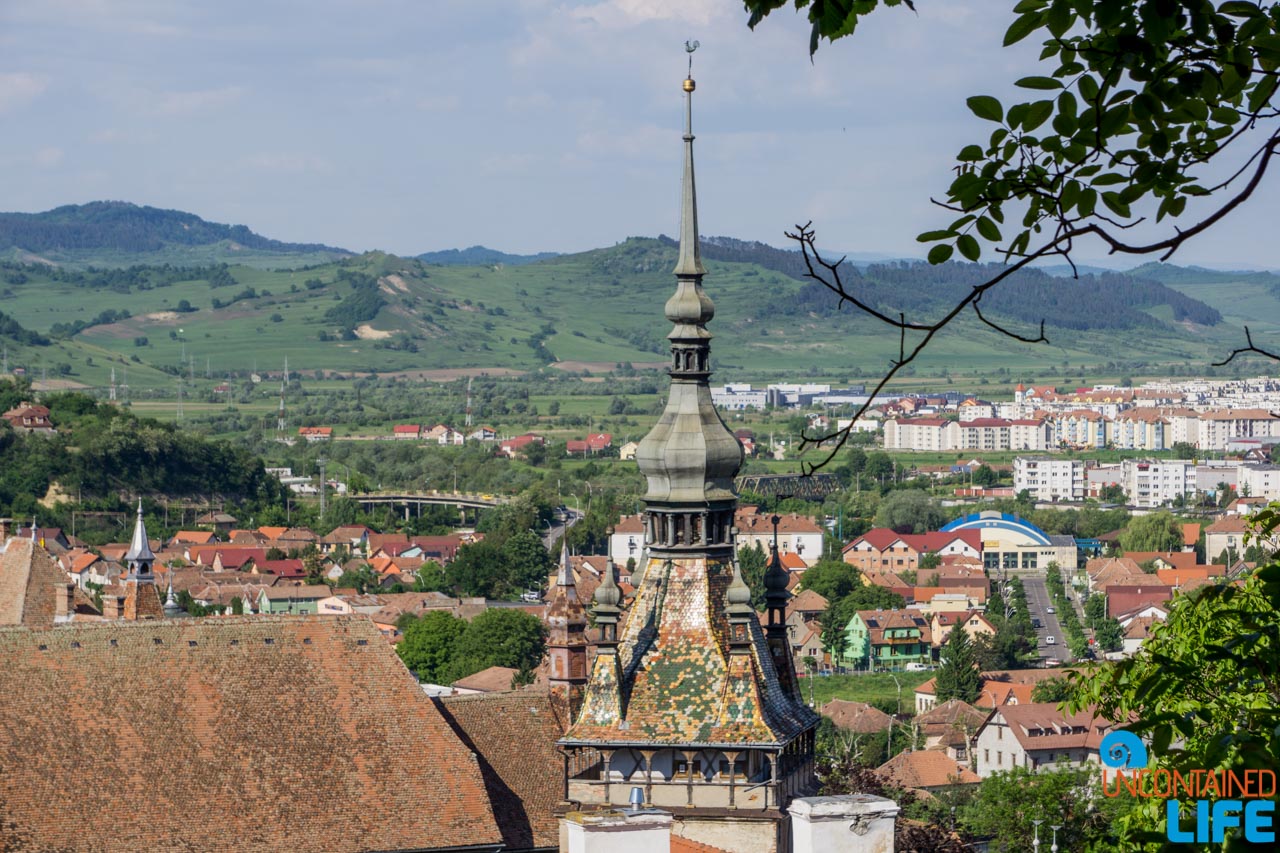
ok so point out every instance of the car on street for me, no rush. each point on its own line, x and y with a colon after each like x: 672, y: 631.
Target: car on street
x: 916, y: 666
x: 1035, y: 623
x: 1050, y: 610
x: 1049, y: 641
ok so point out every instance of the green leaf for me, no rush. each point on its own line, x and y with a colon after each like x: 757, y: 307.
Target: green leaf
x: 1115, y: 204
x: 1036, y: 115
x: 1109, y: 179
x: 931, y: 236
x: 1023, y: 27
x: 968, y: 247
x: 970, y: 153
x: 1039, y: 83
x: 940, y: 254
x: 1088, y: 87
x: 988, y: 229
x: 986, y: 107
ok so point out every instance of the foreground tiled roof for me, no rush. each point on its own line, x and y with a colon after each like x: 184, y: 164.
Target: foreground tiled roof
x: 280, y: 733
x: 514, y: 736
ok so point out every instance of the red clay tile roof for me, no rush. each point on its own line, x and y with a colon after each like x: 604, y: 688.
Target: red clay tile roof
x: 495, y: 679
x: 1042, y: 725
x: 930, y: 768
x: 27, y: 575
x: 514, y: 737
x: 856, y: 716
x: 188, y: 714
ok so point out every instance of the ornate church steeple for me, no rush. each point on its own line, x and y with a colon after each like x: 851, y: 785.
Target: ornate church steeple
x: 685, y: 699
x: 690, y: 457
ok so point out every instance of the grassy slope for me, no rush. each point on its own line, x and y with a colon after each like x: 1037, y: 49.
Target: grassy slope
x: 605, y: 306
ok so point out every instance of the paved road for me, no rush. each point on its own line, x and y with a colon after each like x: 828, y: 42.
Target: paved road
x: 1038, y: 603
x: 554, y: 533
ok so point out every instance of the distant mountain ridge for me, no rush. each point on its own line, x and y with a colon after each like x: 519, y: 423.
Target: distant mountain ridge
x: 119, y: 227
x: 480, y: 256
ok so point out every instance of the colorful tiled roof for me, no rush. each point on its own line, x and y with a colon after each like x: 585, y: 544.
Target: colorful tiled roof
x: 673, y: 680
x: 158, y: 718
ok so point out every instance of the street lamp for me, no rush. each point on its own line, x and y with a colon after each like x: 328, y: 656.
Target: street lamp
x: 1035, y: 842
x: 1055, y: 828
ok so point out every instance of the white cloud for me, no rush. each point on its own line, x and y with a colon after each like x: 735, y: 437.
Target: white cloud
x: 626, y: 13
x: 20, y: 87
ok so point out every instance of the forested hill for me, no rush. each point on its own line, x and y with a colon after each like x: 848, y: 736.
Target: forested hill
x: 923, y: 292
x: 107, y: 229
x: 480, y: 256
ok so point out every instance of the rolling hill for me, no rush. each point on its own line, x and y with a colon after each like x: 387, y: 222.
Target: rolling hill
x: 117, y: 233
x: 591, y: 310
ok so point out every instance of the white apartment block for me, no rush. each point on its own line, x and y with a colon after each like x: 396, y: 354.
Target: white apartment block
x: 1049, y: 479
x: 1259, y: 481
x: 1218, y: 427
x: 1153, y: 483
x: 987, y: 434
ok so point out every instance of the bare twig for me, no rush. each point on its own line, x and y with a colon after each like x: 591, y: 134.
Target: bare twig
x: 1250, y: 348
x: 1060, y: 244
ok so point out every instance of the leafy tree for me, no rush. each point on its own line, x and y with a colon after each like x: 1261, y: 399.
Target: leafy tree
x: 1209, y: 679
x: 1095, y: 610
x: 831, y: 579
x: 528, y: 563
x: 1142, y: 107
x: 1158, y: 531
x: 1007, y: 801
x: 1109, y: 635
x: 753, y: 562
x: 500, y: 636
x: 430, y: 578
x: 480, y: 569
x: 985, y: 475
x: 429, y: 644
x: 958, y: 676
x: 1113, y: 494
x: 1051, y: 690
x: 910, y: 511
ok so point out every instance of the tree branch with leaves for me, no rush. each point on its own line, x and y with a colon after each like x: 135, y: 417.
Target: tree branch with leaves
x: 1142, y: 100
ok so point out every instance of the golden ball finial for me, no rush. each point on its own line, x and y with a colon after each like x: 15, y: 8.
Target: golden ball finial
x: 689, y: 85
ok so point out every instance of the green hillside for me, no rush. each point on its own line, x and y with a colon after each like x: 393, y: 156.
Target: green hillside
x: 117, y: 233
x: 592, y: 310
x: 1244, y: 298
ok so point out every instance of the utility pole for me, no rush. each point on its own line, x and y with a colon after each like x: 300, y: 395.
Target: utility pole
x: 284, y: 380
x: 178, y: 415
x: 467, y: 420
x: 321, y: 461
x: 112, y: 394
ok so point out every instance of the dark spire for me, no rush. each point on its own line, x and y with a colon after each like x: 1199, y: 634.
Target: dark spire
x: 690, y: 458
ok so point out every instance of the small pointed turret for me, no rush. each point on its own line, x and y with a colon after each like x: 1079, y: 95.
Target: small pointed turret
x: 566, y: 640
x: 139, y: 557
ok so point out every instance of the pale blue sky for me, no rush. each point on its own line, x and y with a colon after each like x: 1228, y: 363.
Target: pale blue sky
x: 525, y: 125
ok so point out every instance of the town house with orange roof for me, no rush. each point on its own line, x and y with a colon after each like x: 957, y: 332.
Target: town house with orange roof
x: 1038, y: 736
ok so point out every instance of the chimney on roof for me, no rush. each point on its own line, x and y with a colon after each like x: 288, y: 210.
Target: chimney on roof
x: 112, y: 606
x: 63, y: 601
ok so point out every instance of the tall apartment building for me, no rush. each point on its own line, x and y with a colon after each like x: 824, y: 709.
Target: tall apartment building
x: 1153, y: 483
x: 1050, y: 479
